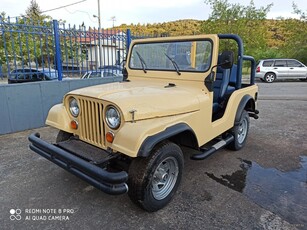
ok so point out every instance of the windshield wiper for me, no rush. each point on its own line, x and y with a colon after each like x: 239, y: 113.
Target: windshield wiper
x: 174, y: 64
x: 143, y: 63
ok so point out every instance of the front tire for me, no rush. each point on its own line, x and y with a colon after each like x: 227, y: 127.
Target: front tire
x: 240, y: 132
x: 154, y: 180
x: 63, y: 136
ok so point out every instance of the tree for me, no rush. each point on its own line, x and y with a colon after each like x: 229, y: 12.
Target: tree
x: 34, y: 14
x: 298, y: 11
x: 295, y: 45
x: 246, y: 21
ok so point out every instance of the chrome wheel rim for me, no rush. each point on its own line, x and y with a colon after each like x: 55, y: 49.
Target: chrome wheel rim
x: 164, y: 178
x: 270, y: 78
x: 242, y: 131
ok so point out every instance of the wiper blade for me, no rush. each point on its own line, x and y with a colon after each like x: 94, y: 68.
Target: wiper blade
x: 143, y: 63
x: 174, y: 64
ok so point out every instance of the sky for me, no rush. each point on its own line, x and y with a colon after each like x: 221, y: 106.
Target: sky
x: 137, y: 11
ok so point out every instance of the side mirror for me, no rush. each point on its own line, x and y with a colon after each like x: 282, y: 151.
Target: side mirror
x: 209, y: 81
x: 227, y: 59
x: 125, y: 74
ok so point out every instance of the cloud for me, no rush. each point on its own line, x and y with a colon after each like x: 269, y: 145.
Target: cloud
x: 158, y: 4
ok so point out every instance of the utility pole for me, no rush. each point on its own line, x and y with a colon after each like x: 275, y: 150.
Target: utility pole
x: 99, y: 18
x: 99, y: 33
x: 113, y: 19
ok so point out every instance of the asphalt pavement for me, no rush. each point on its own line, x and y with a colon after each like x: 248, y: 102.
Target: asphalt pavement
x: 262, y: 186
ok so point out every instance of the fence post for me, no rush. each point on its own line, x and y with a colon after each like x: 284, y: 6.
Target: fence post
x: 1, y: 75
x: 58, y: 59
x: 128, y: 40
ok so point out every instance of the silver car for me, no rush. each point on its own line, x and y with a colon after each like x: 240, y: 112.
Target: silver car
x: 269, y: 70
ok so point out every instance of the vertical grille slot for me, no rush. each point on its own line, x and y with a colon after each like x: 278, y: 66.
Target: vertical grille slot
x: 91, y: 119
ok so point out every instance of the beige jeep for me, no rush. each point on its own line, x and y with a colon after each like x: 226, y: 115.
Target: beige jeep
x: 127, y: 136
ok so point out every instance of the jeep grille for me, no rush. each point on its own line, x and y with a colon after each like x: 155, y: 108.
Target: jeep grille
x: 91, y: 122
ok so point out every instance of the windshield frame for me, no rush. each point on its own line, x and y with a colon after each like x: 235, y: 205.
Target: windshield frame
x: 172, y: 63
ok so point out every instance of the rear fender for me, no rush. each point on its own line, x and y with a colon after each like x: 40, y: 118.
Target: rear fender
x: 247, y: 103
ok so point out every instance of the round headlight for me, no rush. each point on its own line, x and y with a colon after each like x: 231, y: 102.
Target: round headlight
x: 74, y: 107
x: 112, y: 117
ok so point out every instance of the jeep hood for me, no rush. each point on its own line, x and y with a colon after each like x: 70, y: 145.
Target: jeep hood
x: 148, y: 101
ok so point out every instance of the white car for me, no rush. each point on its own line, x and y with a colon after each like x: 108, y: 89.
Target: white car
x: 269, y: 70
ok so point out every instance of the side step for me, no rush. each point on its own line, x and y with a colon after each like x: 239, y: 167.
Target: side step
x: 213, y: 148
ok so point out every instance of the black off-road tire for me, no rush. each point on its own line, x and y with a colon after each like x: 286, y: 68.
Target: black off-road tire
x: 240, y: 132
x: 145, y: 175
x: 62, y: 136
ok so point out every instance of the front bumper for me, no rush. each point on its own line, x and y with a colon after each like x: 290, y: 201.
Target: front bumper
x: 109, y: 182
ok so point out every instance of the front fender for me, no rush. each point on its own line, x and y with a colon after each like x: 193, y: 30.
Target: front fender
x: 59, y: 118
x: 169, y: 132
x: 138, y: 138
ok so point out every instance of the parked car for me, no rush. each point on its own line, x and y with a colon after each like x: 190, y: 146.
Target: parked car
x: 269, y: 70
x: 127, y: 137
x: 22, y: 75
x: 112, y: 67
x: 103, y: 73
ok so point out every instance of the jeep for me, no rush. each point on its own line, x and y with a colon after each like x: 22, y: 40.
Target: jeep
x: 127, y: 137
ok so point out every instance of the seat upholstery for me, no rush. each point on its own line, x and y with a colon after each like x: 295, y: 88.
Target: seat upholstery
x: 232, y: 81
x: 220, y: 86
x: 233, y: 75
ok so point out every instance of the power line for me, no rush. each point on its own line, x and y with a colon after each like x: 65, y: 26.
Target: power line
x: 81, y: 11
x: 60, y: 7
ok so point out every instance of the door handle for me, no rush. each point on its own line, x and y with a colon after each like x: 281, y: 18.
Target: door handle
x: 275, y: 68
x: 291, y: 68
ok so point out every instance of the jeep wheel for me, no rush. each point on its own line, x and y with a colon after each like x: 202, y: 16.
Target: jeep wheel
x: 62, y: 136
x: 154, y: 180
x: 269, y: 77
x: 240, y: 132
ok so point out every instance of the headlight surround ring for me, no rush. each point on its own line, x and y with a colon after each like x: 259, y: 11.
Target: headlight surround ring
x: 74, y: 107
x: 112, y: 117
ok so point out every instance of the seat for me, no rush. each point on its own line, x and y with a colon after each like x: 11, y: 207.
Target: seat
x: 232, y: 80
x: 220, y: 87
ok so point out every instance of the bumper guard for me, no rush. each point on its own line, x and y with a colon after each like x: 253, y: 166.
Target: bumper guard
x: 113, y: 183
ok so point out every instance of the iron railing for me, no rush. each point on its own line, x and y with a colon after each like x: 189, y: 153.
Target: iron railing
x: 50, y: 46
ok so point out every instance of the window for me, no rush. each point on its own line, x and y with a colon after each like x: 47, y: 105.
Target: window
x: 280, y: 63
x: 192, y: 56
x: 293, y: 63
x: 267, y: 63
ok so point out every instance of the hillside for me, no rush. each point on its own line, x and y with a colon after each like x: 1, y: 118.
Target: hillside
x: 262, y: 38
x: 174, y: 28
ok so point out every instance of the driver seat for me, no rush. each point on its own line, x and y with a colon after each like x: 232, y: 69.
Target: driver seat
x: 220, y: 87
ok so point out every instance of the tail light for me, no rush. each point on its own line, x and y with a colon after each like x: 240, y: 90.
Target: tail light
x: 258, y: 69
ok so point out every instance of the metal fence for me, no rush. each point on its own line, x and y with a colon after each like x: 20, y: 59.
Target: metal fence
x: 39, y: 50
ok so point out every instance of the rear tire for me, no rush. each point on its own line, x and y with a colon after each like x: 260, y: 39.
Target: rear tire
x: 154, y: 180
x: 269, y: 77
x: 240, y: 132
x: 63, y: 136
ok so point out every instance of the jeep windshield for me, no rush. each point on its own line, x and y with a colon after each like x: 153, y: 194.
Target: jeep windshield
x: 179, y: 56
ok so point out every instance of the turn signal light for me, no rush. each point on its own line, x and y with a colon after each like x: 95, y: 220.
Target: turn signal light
x: 109, y: 137
x: 74, y: 124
